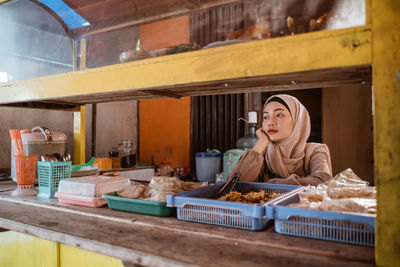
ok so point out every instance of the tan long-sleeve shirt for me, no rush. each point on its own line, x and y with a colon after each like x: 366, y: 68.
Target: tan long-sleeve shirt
x: 253, y: 168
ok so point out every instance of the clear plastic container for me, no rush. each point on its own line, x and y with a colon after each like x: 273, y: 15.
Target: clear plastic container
x: 231, y: 157
x: 247, y: 142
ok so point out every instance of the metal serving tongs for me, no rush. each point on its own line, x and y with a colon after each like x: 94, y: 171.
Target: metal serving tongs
x: 229, y: 185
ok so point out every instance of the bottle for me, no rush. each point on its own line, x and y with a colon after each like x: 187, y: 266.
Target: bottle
x: 128, y: 154
x: 247, y: 142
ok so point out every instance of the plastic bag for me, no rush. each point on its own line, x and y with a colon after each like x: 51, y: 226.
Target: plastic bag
x: 158, y: 188
x: 362, y: 205
x: 133, y: 190
x: 344, y: 192
x: 166, y: 184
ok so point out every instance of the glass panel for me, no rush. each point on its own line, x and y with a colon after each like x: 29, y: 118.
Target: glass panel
x: 33, y: 43
x: 46, y: 37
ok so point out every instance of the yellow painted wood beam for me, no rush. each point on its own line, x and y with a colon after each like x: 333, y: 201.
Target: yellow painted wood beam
x: 17, y: 249
x: 385, y: 15
x: 80, y: 136
x: 303, y: 52
x: 70, y: 256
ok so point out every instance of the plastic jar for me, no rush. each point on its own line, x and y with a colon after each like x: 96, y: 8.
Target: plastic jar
x: 207, y: 166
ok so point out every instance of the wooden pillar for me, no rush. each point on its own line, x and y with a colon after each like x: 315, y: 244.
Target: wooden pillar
x: 385, y: 17
x: 79, y: 135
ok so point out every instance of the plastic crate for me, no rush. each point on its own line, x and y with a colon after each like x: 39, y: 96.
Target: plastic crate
x: 353, y: 228
x: 138, y: 205
x: 201, y: 206
x: 50, y: 174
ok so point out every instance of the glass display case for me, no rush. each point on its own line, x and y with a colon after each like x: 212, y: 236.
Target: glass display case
x: 43, y: 38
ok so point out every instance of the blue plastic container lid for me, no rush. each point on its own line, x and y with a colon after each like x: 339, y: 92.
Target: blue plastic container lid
x: 208, y: 155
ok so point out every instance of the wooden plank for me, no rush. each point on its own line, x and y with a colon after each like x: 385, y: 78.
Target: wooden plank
x: 349, y: 148
x: 162, y: 93
x: 290, y: 54
x: 150, y: 240
x: 7, y: 185
x: 289, y: 81
x: 386, y: 94
x: 45, y: 105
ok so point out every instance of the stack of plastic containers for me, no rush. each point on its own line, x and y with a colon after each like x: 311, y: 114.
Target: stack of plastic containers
x: 88, y: 191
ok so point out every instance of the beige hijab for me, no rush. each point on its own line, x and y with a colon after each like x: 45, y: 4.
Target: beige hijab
x: 293, y: 153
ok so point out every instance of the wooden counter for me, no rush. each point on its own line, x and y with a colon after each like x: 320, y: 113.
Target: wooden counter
x: 156, y: 241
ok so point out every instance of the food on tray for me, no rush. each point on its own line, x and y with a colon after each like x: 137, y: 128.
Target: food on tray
x: 318, y: 23
x: 345, y: 192
x: 257, y: 31
x: 112, y: 174
x: 362, y: 205
x: 158, y: 188
x: 250, y: 197
x: 133, y: 190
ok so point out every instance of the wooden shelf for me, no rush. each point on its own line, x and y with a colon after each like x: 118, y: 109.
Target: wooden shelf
x: 318, y: 59
x: 154, y: 241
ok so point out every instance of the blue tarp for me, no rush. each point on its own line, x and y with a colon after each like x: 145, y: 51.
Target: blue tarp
x: 72, y: 19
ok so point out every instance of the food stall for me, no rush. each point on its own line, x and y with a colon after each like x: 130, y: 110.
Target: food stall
x: 47, y: 233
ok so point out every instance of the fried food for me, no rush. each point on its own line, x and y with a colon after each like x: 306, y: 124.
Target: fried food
x: 112, y: 174
x: 251, y: 197
x: 259, y: 30
x: 158, y: 188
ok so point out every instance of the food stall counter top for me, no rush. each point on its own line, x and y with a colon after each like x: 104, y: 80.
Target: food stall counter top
x: 149, y: 240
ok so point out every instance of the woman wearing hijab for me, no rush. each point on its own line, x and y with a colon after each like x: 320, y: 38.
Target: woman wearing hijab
x: 281, y: 154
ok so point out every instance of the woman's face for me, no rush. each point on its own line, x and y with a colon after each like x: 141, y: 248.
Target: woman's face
x: 278, y: 122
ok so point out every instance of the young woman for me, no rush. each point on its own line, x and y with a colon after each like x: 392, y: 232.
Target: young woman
x: 281, y: 154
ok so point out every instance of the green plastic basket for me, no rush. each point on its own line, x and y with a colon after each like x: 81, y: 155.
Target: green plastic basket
x: 50, y: 174
x: 138, y: 205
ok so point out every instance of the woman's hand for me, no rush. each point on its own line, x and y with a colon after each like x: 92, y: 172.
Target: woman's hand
x: 263, y: 141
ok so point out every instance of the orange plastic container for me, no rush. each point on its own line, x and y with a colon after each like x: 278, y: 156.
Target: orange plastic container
x: 26, y: 169
x: 103, y: 163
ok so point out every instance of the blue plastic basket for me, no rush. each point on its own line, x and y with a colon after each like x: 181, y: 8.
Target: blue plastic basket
x: 50, y: 174
x: 201, y: 206
x: 350, y: 228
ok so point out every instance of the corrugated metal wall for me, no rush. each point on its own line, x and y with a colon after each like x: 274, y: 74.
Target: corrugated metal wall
x: 214, y: 121
x: 213, y: 25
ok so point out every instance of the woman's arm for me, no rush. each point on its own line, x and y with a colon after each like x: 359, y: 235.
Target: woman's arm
x: 251, y: 163
x: 319, y: 172
x: 249, y: 166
